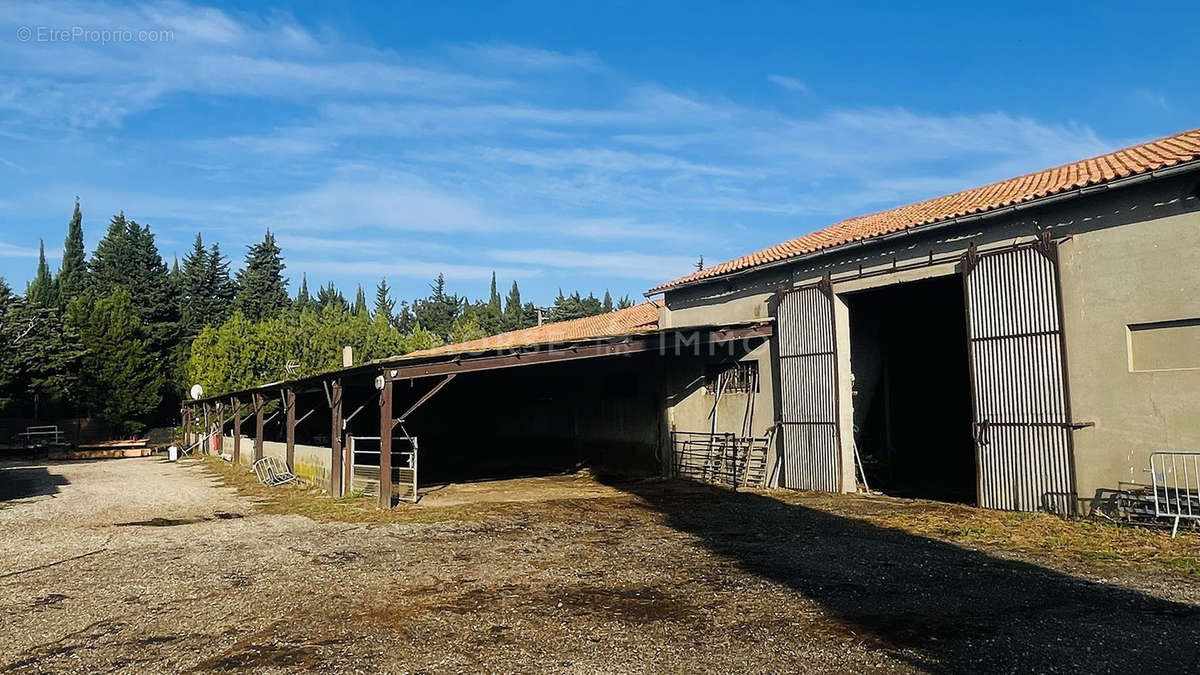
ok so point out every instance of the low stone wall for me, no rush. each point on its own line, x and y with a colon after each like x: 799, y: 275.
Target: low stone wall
x: 312, y: 462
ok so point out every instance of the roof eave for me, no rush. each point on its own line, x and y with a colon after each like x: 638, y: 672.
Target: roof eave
x: 1182, y: 167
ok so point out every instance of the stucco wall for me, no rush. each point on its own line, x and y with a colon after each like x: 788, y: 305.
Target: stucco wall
x: 1112, y: 278
x: 688, y: 403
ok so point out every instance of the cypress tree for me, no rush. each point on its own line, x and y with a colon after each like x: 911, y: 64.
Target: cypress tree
x: 40, y: 291
x: 360, y: 302
x: 624, y: 303
x: 494, y: 299
x: 384, y: 305
x: 262, y: 290
x: 303, y: 299
x: 607, y: 305
x: 512, y: 308
x: 72, y: 273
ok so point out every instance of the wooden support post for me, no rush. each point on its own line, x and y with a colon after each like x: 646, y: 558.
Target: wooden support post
x: 184, y: 423
x: 258, y: 426
x: 289, y: 402
x: 204, y: 432
x: 335, y: 439
x: 237, y: 430
x: 385, y: 445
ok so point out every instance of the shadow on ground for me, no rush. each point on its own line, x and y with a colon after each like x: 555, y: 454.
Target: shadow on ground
x: 936, y: 605
x: 24, y: 482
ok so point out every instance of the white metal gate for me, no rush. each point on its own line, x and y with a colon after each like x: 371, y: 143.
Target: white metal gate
x: 810, y: 442
x: 364, y: 466
x: 1022, y: 418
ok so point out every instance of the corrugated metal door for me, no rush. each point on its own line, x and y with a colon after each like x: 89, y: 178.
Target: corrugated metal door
x: 1019, y: 379
x: 811, y: 457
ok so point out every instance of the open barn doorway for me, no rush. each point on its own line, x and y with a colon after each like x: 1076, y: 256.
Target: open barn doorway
x: 911, y: 389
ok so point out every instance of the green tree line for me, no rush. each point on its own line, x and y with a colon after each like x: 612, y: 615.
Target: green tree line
x: 121, y: 335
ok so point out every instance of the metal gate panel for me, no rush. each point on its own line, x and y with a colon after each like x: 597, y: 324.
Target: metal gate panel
x: 1019, y: 379
x: 811, y: 450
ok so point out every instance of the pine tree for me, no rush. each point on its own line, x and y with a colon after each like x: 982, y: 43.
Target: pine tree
x: 206, y: 291
x: 40, y: 291
x: 105, y: 270
x: 39, y: 356
x: 438, y: 312
x: 303, y: 299
x: 330, y: 297
x: 192, y: 288
x: 384, y: 305
x: 119, y: 378
x: 223, y: 287
x: 262, y: 290
x: 624, y: 303
x: 128, y: 258
x: 72, y: 272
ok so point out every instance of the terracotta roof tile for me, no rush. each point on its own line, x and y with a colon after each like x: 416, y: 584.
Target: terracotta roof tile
x: 1157, y: 154
x: 634, y: 320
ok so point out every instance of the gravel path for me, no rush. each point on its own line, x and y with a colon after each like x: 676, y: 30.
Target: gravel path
x: 137, y: 565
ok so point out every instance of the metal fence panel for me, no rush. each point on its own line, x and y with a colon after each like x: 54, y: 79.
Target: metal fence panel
x: 808, y: 388
x: 1018, y: 372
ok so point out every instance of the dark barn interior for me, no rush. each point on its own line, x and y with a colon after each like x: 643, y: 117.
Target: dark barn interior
x: 534, y: 420
x: 912, y: 399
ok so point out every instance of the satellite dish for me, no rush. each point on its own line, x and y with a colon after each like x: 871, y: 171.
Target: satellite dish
x: 197, y: 392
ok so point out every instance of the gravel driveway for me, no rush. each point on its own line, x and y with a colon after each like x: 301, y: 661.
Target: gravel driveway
x: 140, y: 565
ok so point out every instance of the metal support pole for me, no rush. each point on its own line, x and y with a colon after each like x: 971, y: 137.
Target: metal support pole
x: 385, y: 445
x: 258, y: 426
x: 335, y: 439
x: 237, y: 430
x: 289, y: 402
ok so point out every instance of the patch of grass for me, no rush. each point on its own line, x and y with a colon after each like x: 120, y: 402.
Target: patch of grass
x: 314, y: 503
x: 1090, y: 543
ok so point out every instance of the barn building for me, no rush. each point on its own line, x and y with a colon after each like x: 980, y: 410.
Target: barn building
x: 1024, y: 345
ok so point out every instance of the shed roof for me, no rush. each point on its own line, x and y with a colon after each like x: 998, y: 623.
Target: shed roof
x: 635, y: 320
x: 1138, y: 159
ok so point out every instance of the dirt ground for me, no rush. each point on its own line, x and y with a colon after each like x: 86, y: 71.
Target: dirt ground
x: 139, y: 565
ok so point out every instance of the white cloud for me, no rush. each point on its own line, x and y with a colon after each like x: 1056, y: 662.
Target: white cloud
x: 403, y: 268
x: 626, y: 264
x: 13, y: 251
x: 521, y: 57
x: 789, y: 83
x: 537, y: 153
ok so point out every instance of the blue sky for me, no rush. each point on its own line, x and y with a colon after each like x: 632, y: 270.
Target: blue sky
x: 581, y: 145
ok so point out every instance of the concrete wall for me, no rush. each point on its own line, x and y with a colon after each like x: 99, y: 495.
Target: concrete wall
x: 1128, y: 255
x: 312, y: 462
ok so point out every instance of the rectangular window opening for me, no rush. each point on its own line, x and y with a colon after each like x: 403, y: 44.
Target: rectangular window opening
x: 729, y: 378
